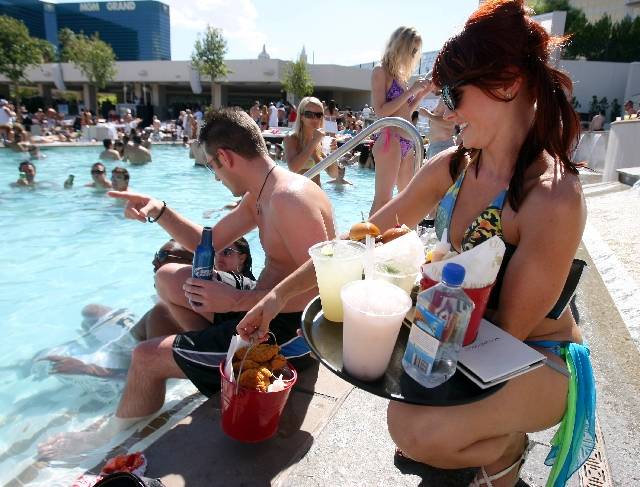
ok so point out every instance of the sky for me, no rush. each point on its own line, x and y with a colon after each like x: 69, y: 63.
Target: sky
x: 332, y: 31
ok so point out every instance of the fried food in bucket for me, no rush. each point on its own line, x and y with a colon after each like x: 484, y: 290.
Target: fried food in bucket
x: 256, y: 379
x: 260, y: 353
x: 248, y: 364
x: 278, y: 362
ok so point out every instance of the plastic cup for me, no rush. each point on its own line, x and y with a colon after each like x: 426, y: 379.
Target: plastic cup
x: 326, y: 145
x: 404, y: 280
x: 479, y: 296
x: 336, y: 262
x: 373, y: 314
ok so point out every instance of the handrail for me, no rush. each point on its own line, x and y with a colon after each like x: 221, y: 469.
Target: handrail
x: 397, y: 122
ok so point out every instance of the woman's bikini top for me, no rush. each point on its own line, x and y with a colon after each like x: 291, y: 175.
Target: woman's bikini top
x: 489, y: 224
x: 395, y: 90
x: 486, y: 225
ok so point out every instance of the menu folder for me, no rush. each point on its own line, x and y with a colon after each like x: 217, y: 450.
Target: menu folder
x: 496, y: 356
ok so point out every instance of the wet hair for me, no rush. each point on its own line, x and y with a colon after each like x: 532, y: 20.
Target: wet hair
x: 136, y: 139
x: 243, y: 247
x: 121, y: 170
x: 98, y: 165
x: 499, y: 43
x: 25, y: 163
x: 399, y: 60
x: 185, y: 139
x: 107, y: 143
x: 233, y: 130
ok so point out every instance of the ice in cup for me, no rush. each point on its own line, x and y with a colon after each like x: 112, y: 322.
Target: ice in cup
x: 373, y: 313
x: 336, y: 263
x: 404, y: 278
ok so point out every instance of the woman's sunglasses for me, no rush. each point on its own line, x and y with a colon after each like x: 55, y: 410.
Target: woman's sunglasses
x: 228, y: 251
x: 451, y: 95
x: 310, y: 114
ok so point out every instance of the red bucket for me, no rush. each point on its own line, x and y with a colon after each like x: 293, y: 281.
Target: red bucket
x: 249, y: 415
x: 479, y: 296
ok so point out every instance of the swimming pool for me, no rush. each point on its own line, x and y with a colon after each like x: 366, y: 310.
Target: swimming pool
x: 66, y: 248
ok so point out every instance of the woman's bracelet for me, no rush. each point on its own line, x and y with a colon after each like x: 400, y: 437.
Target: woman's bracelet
x: 153, y: 220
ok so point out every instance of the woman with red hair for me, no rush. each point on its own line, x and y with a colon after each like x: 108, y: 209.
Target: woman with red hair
x: 511, y: 177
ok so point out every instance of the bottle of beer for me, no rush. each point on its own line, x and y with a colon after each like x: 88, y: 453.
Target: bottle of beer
x: 204, y: 256
x: 69, y: 182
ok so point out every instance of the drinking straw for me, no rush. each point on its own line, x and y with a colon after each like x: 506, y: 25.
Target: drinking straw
x: 369, y: 258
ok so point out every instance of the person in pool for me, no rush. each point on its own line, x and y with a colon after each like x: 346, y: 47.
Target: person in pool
x: 109, y: 153
x: 303, y: 147
x: 99, y: 177
x: 340, y: 180
x: 511, y: 176
x: 120, y: 179
x: 291, y: 214
x: 393, y: 97
x: 27, y: 177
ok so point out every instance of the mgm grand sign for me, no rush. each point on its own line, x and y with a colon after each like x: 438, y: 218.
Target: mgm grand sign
x: 110, y: 6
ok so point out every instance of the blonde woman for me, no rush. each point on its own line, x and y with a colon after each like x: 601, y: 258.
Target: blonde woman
x: 392, y: 97
x: 303, y: 148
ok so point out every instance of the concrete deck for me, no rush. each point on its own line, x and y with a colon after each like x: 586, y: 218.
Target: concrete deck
x: 335, y: 435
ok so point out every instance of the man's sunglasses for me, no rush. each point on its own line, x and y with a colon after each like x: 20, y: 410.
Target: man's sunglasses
x: 163, y: 255
x: 451, y: 95
x: 97, y: 171
x: 310, y: 114
x: 228, y: 251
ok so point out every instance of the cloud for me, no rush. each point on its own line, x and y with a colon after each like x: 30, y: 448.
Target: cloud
x: 237, y: 19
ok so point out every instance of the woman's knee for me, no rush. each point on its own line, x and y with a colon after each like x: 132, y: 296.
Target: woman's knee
x: 422, y: 437
x: 169, y: 280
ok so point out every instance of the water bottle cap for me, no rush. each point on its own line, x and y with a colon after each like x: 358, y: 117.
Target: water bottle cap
x: 453, y: 274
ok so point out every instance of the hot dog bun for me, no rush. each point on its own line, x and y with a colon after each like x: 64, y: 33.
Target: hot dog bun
x: 394, y: 233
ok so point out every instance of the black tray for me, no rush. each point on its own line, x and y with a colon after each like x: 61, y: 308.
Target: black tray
x: 325, y: 339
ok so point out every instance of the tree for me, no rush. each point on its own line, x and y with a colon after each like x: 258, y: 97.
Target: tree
x: 208, y: 56
x: 92, y: 56
x: 18, y: 52
x: 297, y: 79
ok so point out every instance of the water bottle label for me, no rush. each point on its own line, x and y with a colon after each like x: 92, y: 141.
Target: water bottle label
x: 205, y: 273
x: 432, y: 324
x: 422, y: 349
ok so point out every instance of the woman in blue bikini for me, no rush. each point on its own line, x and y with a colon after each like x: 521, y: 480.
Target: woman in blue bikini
x: 392, y: 97
x: 512, y: 176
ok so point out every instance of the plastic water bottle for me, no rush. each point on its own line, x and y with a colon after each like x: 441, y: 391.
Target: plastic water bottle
x: 435, y: 340
x: 204, y: 256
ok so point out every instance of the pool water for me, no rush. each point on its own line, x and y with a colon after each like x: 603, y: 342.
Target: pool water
x: 66, y: 248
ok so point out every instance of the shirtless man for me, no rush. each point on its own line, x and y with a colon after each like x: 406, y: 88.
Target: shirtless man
x: 291, y: 214
x: 440, y: 130
x: 109, y: 153
x: 136, y: 154
x: 99, y: 177
x: 254, y: 112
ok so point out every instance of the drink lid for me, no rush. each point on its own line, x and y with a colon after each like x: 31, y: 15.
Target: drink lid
x: 453, y: 274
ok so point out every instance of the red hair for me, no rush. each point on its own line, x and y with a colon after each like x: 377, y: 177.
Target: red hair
x: 499, y: 43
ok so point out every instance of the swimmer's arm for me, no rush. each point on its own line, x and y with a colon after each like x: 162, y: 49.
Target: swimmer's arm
x: 294, y: 157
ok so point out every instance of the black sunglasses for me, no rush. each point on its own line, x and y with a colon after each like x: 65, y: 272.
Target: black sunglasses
x: 451, y: 95
x: 97, y: 171
x: 162, y: 255
x: 228, y: 251
x: 310, y: 114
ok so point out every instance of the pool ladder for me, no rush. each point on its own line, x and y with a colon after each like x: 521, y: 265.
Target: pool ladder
x: 397, y: 122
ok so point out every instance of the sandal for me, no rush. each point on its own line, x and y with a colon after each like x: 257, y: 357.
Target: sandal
x: 487, y: 480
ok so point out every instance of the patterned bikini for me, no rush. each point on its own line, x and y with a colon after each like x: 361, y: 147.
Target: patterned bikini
x: 575, y: 438
x: 394, y: 91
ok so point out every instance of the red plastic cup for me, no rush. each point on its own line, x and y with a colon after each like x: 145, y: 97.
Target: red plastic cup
x: 251, y: 416
x: 479, y: 296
